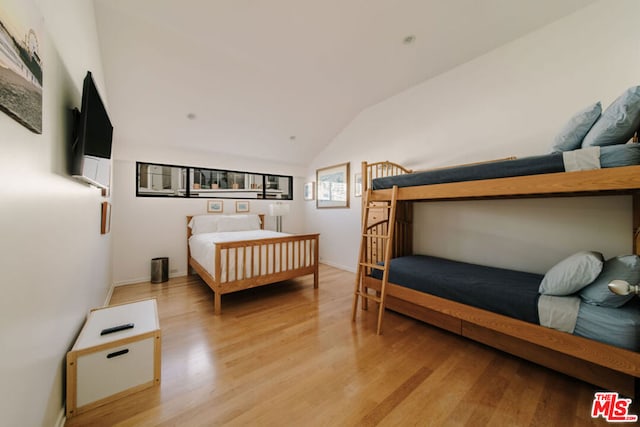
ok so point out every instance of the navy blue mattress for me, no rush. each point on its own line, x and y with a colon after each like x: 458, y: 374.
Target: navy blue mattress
x: 610, y: 156
x: 534, y: 165
x: 508, y: 292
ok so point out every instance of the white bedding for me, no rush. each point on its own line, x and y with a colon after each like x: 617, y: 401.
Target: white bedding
x: 581, y: 160
x: 559, y: 313
x: 202, y: 247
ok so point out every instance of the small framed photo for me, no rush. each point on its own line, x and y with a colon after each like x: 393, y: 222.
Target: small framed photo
x: 309, y: 193
x: 242, y: 206
x: 357, y: 185
x: 214, y: 206
x: 105, y: 224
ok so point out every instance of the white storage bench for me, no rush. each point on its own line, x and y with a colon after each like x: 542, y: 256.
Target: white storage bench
x: 117, y: 353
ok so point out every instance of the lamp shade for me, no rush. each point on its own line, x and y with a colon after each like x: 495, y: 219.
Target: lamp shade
x: 622, y: 287
x: 278, y: 209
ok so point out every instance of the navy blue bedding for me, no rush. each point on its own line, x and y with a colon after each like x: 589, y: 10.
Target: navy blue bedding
x: 511, y: 293
x: 534, y: 165
x: 508, y: 292
x: 610, y: 156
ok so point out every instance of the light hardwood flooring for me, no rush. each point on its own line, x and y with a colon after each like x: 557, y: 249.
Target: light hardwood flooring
x: 289, y: 355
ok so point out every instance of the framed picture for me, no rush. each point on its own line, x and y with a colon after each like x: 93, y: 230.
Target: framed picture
x: 214, y: 206
x: 357, y: 185
x: 242, y: 206
x: 21, y: 73
x: 308, y: 191
x: 105, y: 224
x: 332, y: 186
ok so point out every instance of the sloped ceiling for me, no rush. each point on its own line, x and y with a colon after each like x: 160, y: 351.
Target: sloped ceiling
x: 279, y: 79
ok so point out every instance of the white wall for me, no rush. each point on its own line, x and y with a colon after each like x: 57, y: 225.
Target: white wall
x: 55, y: 264
x: 148, y: 227
x: 510, y: 101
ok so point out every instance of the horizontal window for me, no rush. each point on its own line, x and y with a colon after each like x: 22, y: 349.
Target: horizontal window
x: 158, y: 180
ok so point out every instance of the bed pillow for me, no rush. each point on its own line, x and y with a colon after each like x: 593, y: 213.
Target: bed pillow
x: 204, y: 224
x: 620, y: 155
x: 572, y: 274
x: 239, y: 223
x: 571, y: 135
x: 618, y: 122
x: 625, y: 267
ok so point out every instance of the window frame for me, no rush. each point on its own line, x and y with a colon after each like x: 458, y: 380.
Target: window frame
x: 261, y: 191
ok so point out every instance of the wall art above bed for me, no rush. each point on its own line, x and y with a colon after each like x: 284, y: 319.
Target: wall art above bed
x: 215, y: 206
x: 242, y: 206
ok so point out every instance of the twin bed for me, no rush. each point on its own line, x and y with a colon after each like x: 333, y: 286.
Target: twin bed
x: 501, y: 307
x: 234, y: 252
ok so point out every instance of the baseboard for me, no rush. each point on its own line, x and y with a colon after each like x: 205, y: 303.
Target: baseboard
x: 339, y: 266
x: 107, y: 300
x: 135, y: 280
x: 132, y: 281
x: 62, y: 418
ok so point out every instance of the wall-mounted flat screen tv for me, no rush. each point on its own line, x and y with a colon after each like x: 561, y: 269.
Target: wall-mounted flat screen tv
x: 92, y: 136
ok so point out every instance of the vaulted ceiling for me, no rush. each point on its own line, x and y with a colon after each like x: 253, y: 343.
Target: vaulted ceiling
x: 279, y: 79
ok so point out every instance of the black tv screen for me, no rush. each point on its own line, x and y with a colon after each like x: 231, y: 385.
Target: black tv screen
x: 95, y: 129
x: 92, y: 136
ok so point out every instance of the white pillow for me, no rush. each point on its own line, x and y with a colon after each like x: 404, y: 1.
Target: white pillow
x: 239, y: 223
x: 204, y: 224
x: 572, y: 273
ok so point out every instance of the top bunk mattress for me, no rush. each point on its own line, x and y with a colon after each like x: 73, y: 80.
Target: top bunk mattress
x: 596, y: 157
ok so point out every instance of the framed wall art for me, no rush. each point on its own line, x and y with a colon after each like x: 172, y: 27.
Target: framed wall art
x: 332, y: 186
x: 21, y: 70
x: 357, y: 185
x: 309, y: 193
x: 215, y: 206
x: 242, y: 206
x: 105, y: 223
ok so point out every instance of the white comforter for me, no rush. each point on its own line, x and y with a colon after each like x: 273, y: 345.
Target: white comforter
x: 202, y: 248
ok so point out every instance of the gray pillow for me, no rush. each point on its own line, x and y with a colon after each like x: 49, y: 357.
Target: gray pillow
x: 571, y: 135
x: 572, y: 274
x: 618, y: 122
x: 625, y: 267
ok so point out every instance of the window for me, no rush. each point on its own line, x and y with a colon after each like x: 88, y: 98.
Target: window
x: 157, y: 180
x: 279, y: 187
x: 161, y: 180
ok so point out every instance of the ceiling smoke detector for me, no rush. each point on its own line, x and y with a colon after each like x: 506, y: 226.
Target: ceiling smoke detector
x: 409, y: 39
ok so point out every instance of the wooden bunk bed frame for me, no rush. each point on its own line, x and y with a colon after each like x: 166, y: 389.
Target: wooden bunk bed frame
x: 600, y: 364
x: 298, y: 249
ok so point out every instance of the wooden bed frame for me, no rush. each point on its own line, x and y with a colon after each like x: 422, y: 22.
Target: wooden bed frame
x: 600, y: 364
x: 300, y: 248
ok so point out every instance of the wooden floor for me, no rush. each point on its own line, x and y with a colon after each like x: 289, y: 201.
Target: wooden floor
x: 289, y: 355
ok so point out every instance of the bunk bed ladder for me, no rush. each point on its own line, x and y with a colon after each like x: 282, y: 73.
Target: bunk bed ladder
x: 365, y: 261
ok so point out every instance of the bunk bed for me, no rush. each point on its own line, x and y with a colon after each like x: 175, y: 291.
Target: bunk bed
x: 234, y: 252
x: 385, y: 183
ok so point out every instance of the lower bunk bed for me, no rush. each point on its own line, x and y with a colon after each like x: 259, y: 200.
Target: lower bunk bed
x: 502, y: 308
x: 234, y: 252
